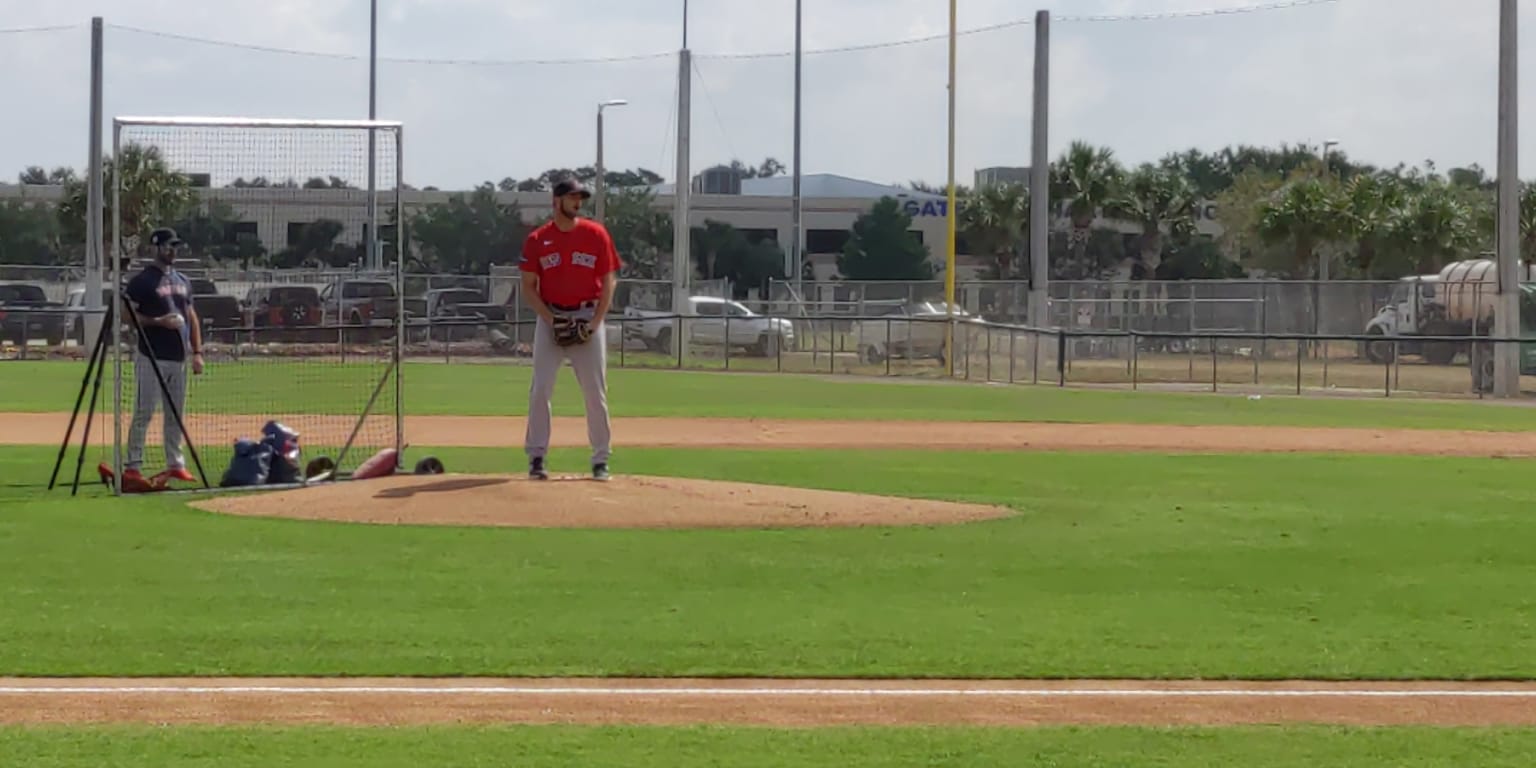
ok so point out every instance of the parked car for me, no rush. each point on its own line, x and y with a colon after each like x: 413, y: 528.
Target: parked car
x: 454, y: 313
x: 912, y: 330
x: 717, y: 322
x: 359, y: 302
x: 27, y: 315
x: 283, y: 306
x: 74, y: 316
x: 217, y: 311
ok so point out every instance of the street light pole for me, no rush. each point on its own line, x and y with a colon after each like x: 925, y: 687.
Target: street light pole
x: 602, y: 174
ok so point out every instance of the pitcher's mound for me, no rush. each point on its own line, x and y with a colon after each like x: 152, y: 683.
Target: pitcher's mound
x: 577, y: 502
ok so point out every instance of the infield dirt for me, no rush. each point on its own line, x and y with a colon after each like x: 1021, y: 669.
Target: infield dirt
x: 576, y: 502
x: 780, y: 703
x: 507, y: 432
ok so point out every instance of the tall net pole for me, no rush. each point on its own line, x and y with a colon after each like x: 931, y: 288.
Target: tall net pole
x: 950, y: 213
x: 1040, y: 179
x: 1507, y: 317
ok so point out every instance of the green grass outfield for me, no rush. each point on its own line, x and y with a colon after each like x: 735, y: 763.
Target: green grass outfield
x: 614, y: 747
x: 490, y: 389
x: 1116, y: 566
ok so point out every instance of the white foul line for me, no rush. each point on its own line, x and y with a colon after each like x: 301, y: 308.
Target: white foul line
x: 767, y: 692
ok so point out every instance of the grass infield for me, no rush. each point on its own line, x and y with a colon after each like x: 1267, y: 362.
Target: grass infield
x: 492, y: 389
x: 1116, y: 566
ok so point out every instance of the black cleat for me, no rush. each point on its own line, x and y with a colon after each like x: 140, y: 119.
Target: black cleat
x: 600, y: 472
x: 536, y: 470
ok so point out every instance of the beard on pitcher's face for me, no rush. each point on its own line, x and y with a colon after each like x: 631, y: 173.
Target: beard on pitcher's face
x: 570, y: 205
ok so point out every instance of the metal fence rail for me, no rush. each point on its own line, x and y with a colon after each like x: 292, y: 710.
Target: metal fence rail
x: 872, y: 345
x: 1259, y: 306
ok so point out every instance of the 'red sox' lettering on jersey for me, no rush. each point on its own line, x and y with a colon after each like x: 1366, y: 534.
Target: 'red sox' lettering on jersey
x: 570, y: 265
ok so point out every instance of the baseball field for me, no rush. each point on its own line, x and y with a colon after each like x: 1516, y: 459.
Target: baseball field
x: 789, y: 571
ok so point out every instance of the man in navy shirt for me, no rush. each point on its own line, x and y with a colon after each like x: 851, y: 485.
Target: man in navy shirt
x: 161, y: 297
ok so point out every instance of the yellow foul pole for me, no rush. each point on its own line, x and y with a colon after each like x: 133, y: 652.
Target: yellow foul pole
x: 950, y: 212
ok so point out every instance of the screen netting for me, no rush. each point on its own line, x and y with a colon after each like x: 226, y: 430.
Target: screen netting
x: 298, y: 320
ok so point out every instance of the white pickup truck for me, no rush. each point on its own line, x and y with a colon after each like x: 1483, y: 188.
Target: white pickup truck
x: 712, y: 322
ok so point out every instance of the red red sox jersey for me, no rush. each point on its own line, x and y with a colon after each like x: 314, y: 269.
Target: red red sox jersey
x: 570, y: 265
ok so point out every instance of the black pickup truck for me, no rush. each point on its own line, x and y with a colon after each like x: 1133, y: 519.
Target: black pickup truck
x: 20, y: 320
x: 217, y: 311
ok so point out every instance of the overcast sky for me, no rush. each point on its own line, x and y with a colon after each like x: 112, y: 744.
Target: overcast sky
x: 1391, y: 80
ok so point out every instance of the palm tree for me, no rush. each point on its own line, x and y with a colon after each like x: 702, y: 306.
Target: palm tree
x: 995, y: 219
x: 1434, y: 228
x: 1156, y: 197
x: 1528, y: 222
x: 153, y: 195
x: 1367, y: 208
x: 1301, y: 213
x: 1088, y: 179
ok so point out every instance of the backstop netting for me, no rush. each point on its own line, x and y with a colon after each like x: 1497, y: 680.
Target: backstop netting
x: 295, y: 279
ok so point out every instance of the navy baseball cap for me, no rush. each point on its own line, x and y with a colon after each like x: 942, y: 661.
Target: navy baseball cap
x: 164, y: 236
x: 569, y: 186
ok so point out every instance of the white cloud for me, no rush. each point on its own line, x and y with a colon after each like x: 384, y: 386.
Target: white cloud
x: 1394, y: 80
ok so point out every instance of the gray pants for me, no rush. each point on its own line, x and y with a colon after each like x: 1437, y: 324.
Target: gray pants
x: 589, y: 362
x: 147, y: 396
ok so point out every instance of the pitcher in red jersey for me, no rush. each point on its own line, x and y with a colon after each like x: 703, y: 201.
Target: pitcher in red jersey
x: 569, y: 269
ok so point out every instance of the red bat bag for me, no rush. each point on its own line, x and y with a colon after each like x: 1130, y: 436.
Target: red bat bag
x: 381, y: 464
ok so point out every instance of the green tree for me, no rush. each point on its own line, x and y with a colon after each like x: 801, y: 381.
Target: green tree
x: 642, y: 234
x: 755, y: 265
x: 769, y: 167
x: 1367, y: 209
x: 1302, y: 214
x: 29, y: 233
x: 709, y: 243
x: 615, y: 179
x: 1528, y: 222
x: 1434, y: 227
x: 262, y: 182
x: 328, y: 182
x: 995, y: 221
x: 1087, y: 179
x: 1156, y: 198
x: 720, y: 251
x: 881, y: 247
x: 470, y: 232
x: 317, y: 247
x: 1199, y: 258
x: 153, y: 195
x: 205, y: 227
x: 34, y: 175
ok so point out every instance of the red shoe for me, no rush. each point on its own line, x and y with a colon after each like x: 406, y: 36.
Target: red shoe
x: 134, y: 482
x: 180, y: 473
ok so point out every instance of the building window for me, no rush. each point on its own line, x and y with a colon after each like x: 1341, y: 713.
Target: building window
x: 296, y: 231
x: 235, y: 229
x: 826, y: 240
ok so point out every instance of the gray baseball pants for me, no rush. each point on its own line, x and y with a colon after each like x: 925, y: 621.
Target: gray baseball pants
x: 589, y: 362
x: 147, y: 397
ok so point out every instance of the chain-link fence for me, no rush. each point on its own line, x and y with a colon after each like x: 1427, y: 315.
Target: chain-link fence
x: 1266, y: 335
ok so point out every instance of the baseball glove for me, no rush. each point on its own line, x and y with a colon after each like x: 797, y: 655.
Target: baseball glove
x: 571, y: 330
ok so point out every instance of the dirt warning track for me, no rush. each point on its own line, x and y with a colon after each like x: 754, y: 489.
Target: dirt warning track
x: 785, y: 703
x: 507, y: 432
